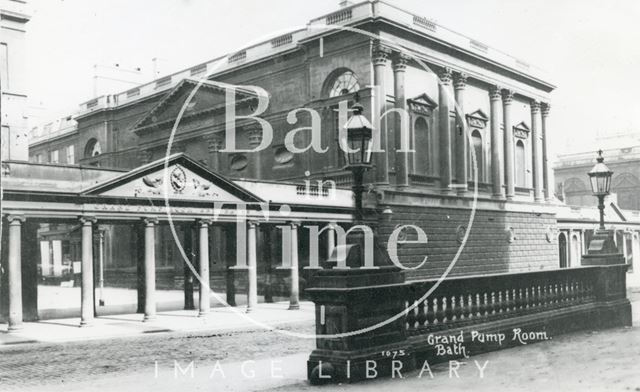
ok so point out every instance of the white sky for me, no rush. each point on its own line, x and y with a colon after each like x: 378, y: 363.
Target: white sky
x: 589, y: 47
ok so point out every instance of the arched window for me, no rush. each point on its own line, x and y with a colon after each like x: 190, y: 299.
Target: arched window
x: 562, y: 250
x: 421, y: 145
x: 521, y: 164
x: 476, y: 144
x: 342, y: 82
x: 92, y: 148
x: 627, y: 187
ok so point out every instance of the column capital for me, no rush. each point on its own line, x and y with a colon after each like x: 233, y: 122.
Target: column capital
x: 460, y: 81
x: 150, y: 220
x: 214, y: 143
x: 535, y: 107
x: 445, y: 75
x: 495, y: 93
x: 253, y: 223
x: 546, y: 107
x: 294, y: 223
x: 205, y: 222
x: 16, y: 219
x: 399, y: 61
x: 87, y: 220
x: 507, y: 96
x: 379, y: 53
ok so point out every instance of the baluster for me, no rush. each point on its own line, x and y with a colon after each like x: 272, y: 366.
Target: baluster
x: 493, y: 306
x: 468, y: 309
x: 448, y: 310
x: 476, y: 305
x: 421, y: 317
x: 431, y: 315
x: 411, y: 318
x: 520, y: 300
x: 457, y: 308
x: 440, y: 310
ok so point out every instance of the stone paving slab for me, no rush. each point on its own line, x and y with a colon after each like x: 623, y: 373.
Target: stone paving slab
x: 219, y: 319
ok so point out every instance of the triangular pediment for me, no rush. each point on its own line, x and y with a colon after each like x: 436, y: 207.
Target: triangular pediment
x: 422, y: 103
x: 177, y: 177
x: 521, y: 130
x: 209, y: 97
x: 477, y: 119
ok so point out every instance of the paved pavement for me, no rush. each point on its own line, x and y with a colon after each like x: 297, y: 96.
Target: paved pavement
x: 252, y: 359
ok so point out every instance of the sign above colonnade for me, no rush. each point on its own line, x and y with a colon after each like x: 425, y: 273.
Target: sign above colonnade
x: 177, y: 177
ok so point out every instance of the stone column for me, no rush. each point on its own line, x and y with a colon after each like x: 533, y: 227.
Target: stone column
x: 150, y: 268
x: 507, y: 99
x: 496, y: 155
x: 214, y: 146
x: 203, y: 254
x: 546, y: 181
x: 331, y: 238
x: 294, y: 298
x: 445, y: 130
x: 14, y: 272
x: 87, y: 305
x: 401, y: 128
x: 252, y: 270
x: 380, y: 56
x: 255, y: 138
x: 535, y: 148
x: 268, y: 256
x: 461, y: 137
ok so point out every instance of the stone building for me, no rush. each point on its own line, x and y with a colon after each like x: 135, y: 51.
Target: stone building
x: 13, y: 80
x: 444, y: 80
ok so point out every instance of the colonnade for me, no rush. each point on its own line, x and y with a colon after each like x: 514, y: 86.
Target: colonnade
x: 453, y: 144
x: 88, y: 224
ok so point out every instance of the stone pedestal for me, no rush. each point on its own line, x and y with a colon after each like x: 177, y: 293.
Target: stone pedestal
x: 348, y: 302
x: 602, y: 250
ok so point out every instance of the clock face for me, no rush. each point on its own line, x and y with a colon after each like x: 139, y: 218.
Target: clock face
x: 178, y: 179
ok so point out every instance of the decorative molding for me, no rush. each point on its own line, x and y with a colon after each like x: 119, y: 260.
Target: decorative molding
x: 461, y: 231
x: 521, y: 130
x: 255, y: 136
x: 16, y: 219
x: 379, y: 53
x: 422, y: 104
x: 535, y: 107
x: 214, y: 143
x: 477, y: 119
x: 150, y: 221
x: 87, y: 220
x: 511, y: 235
x: 507, y: 96
x: 495, y: 93
x: 460, y: 81
x: 546, y: 107
x: 399, y: 62
x: 445, y: 75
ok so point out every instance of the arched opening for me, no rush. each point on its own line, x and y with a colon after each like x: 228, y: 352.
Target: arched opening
x: 476, y: 145
x: 421, y: 145
x: 92, y: 148
x: 626, y: 186
x: 521, y: 164
x: 576, y: 252
x: 341, y: 82
x: 562, y: 250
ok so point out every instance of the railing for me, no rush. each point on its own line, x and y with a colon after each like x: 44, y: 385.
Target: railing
x: 391, y: 321
x: 460, y: 302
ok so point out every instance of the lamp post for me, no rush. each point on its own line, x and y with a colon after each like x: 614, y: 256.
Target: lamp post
x: 600, y: 178
x: 358, y: 154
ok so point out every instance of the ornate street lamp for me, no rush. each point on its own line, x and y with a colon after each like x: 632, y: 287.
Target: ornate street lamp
x: 600, y: 178
x: 358, y: 156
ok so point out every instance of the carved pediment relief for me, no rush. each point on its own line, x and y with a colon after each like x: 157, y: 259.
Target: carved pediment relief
x: 477, y: 119
x: 521, y: 130
x: 422, y: 104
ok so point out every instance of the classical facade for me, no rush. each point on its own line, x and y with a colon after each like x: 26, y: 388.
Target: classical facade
x: 13, y: 80
x: 477, y: 121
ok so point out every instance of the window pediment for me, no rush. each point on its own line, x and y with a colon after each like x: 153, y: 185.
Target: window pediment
x: 477, y: 119
x: 422, y: 104
x: 521, y: 130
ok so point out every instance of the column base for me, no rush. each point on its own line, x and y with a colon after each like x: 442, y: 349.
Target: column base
x: 15, y: 328
x: 498, y: 196
x: 203, y: 313
x: 294, y: 306
x: 249, y: 310
x: 147, y: 319
x: 84, y: 324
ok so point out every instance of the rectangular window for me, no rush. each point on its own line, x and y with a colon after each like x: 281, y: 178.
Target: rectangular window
x: 71, y: 155
x: 54, y: 156
x: 4, y: 65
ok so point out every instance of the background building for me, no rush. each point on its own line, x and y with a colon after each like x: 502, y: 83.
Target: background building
x: 13, y: 80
